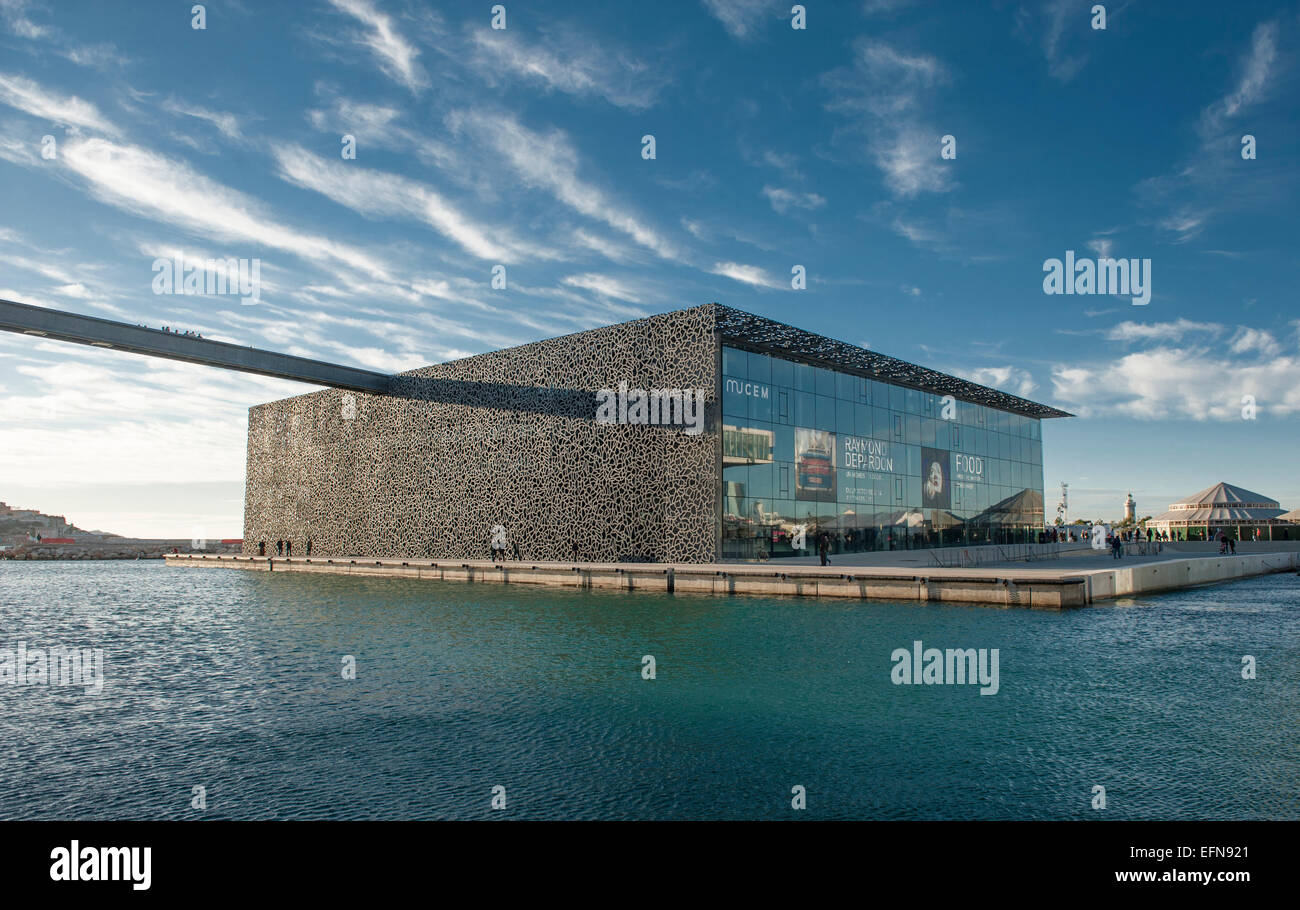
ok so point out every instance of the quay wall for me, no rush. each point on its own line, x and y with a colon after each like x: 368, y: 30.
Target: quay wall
x: 1004, y: 586
x: 1169, y: 574
x: 1010, y: 589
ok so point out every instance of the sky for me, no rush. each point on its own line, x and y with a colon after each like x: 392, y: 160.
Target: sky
x: 128, y: 135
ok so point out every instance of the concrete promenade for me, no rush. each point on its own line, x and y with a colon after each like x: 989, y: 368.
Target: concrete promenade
x: 1075, y: 580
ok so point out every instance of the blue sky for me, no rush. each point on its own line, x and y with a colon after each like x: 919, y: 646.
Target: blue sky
x: 775, y: 147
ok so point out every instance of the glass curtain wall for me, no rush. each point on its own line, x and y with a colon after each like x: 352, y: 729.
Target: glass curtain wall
x: 871, y: 466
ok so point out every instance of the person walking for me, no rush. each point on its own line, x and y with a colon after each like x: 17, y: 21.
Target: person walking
x: 823, y: 548
x: 279, y: 547
x: 574, y: 545
x: 288, y: 548
x: 308, y: 546
x: 1232, y: 545
x: 261, y: 548
x: 1117, y: 547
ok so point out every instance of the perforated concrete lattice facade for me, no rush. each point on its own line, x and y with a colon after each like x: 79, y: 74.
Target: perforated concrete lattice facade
x: 510, y: 438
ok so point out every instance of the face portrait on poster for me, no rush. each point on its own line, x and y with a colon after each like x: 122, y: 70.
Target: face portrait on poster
x: 935, y: 483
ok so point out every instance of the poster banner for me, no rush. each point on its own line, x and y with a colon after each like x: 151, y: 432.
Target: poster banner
x: 814, y: 465
x: 968, y: 468
x: 935, y: 484
x: 859, y: 458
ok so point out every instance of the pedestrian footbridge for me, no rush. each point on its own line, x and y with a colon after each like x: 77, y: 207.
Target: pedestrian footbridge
x: 106, y: 333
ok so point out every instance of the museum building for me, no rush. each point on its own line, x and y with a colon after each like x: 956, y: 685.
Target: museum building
x: 691, y: 436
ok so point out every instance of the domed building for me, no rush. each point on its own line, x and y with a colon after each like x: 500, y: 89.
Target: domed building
x: 1236, y: 512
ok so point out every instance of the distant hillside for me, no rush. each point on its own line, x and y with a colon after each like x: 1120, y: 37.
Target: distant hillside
x: 25, y: 523
x: 61, y: 540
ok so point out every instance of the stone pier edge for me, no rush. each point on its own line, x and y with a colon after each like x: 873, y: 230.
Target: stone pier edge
x: 1004, y: 587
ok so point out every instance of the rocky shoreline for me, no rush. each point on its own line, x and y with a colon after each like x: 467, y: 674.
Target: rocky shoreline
x: 115, y: 549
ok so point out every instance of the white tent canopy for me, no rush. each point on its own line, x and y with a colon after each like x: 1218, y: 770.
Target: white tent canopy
x: 1221, y: 504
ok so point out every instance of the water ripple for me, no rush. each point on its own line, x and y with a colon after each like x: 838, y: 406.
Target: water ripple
x: 232, y: 681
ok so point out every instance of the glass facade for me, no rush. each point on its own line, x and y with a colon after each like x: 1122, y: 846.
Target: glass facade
x: 873, y: 466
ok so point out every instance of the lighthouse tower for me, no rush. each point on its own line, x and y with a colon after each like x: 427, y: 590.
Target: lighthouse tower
x: 1130, y: 508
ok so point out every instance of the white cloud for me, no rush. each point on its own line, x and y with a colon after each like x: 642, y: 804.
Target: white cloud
x: 375, y: 193
x: 1207, y: 184
x: 1101, y: 246
x: 604, y: 285
x: 151, y: 185
x: 579, y: 65
x: 884, y: 7
x: 113, y: 416
x: 76, y: 290
x: 227, y: 123
x: 911, y: 164
x: 549, y: 162
x: 1062, y: 65
x: 917, y: 233
x: 1247, y: 339
x: 747, y: 274
x: 614, y: 252
x: 15, y: 151
x: 22, y: 297
x: 14, y: 13
x: 1178, y: 384
x: 1011, y: 379
x: 41, y: 267
x: 783, y: 200
x: 206, y: 261
x: 66, y: 110
x: 1252, y: 84
x: 357, y: 116
x: 788, y: 165
x: 379, y: 126
x: 1160, y: 331
x: 99, y: 56
x: 398, y: 58
x: 883, y: 92
x: 903, y: 74
x: 1186, y: 222
x: 742, y: 18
